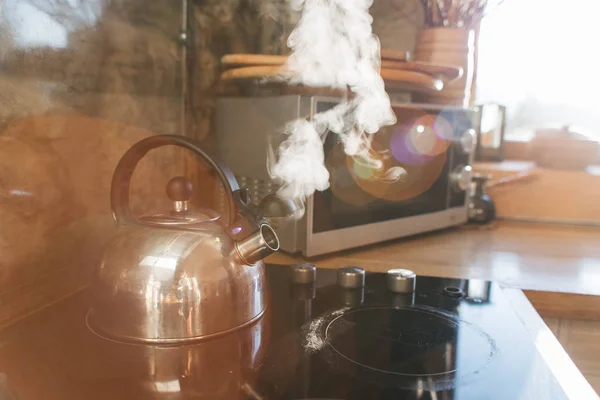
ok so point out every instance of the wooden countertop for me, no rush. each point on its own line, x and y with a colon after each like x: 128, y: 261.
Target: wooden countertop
x: 557, y: 265
x: 525, y: 192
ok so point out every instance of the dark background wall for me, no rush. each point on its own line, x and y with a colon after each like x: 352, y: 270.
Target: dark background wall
x: 80, y: 82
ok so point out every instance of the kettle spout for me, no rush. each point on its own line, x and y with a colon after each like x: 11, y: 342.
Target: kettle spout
x: 258, y: 245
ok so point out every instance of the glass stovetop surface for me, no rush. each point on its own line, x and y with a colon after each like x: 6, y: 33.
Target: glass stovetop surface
x: 314, y: 342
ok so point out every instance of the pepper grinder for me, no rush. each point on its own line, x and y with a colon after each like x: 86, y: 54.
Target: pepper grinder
x: 481, y: 206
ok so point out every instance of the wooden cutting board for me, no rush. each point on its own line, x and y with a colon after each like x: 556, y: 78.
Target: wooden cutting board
x: 269, y: 59
x: 443, y: 72
x: 398, y: 79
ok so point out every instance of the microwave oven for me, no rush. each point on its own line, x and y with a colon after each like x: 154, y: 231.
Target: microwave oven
x: 433, y: 144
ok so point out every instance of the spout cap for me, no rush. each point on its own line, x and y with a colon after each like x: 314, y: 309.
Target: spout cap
x: 258, y: 245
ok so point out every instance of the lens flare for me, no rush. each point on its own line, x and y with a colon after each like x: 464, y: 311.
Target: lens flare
x: 402, y: 147
x: 404, y: 161
x: 410, y: 182
x: 415, y: 142
x: 343, y: 181
x: 443, y: 128
x: 362, y: 170
x: 432, y: 135
x: 421, y: 139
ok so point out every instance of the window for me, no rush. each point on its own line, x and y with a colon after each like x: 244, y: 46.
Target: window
x: 46, y: 23
x: 540, y: 59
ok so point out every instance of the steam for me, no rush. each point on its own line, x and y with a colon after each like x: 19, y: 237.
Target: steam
x: 301, y: 161
x: 332, y: 46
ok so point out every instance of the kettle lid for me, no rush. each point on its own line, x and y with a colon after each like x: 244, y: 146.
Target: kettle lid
x: 191, y: 218
x: 180, y: 191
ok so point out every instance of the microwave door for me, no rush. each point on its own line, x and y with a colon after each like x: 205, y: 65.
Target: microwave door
x: 357, y: 197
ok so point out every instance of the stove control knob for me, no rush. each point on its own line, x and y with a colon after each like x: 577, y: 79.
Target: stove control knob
x: 401, y: 280
x: 460, y: 178
x: 304, y: 273
x: 468, y: 140
x: 351, y: 277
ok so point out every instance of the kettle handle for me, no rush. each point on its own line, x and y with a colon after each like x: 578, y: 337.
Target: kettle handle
x: 119, y: 191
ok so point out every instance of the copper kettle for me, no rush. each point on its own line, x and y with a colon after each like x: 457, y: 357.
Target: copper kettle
x: 184, y: 275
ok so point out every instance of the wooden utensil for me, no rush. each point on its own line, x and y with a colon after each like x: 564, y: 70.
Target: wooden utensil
x: 446, y: 73
x: 395, y: 55
x: 253, y: 72
x: 229, y: 60
x: 412, y: 80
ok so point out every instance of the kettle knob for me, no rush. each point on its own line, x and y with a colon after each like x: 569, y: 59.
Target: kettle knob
x: 180, y: 189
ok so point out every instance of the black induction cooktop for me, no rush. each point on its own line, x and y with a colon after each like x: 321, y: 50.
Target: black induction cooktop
x: 449, y: 339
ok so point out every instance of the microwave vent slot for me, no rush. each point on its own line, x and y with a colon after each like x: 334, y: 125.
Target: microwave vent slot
x: 258, y: 189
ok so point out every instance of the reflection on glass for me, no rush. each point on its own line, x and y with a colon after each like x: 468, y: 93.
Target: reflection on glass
x: 48, y: 23
x: 491, y: 125
x: 588, y: 274
x: 491, y: 133
x: 574, y: 384
x: 478, y: 290
x: 160, y: 262
x: 171, y: 386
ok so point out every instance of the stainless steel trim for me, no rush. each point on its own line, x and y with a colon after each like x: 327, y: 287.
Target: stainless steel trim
x: 257, y: 246
x: 340, y: 239
x: 115, y: 337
